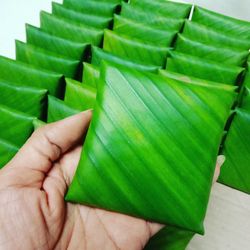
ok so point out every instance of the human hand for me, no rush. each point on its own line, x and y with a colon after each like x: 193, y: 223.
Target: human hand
x: 33, y: 213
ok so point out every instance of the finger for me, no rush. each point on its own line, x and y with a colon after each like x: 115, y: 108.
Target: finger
x: 48, y: 143
x: 59, y: 178
x: 68, y: 164
x: 45, y: 146
x: 220, y: 160
x: 63, y: 171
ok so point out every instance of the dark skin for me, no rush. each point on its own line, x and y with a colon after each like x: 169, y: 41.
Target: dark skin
x: 33, y: 213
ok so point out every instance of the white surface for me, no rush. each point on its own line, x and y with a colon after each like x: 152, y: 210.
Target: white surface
x: 227, y: 224
x: 235, y: 8
x: 15, y: 13
x: 13, y: 16
x: 228, y: 219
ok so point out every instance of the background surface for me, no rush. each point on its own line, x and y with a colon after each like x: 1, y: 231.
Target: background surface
x: 236, y: 8
x: 227, y: 222
x: 13, y: 16
x: 15, y: 13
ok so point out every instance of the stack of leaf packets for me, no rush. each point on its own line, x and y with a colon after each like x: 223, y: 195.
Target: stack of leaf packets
x: 169, y: 88
x: 33, y: 84
x: 237, y: 145
x: 227, y: 41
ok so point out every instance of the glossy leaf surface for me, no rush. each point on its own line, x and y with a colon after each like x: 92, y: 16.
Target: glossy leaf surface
x: 93, y: 7
x: 17, y: 126
x: 47, y: 60
x: 204, y: 69
x: 193, y: 80
x: 91, y: 74
x: 236, y: 170
x: 87, y: 19
x: 79, y: 96
x: 165, y: 8
x: 222, y: 23
x: 143, y: 32
x: 57, y: 110
x: 203, y: 34
x: 134, y: 50
x: 7, y: 152
x: 65, y: 47
x: 154, y: 120
x: 247, y: 77
x: 69, y: 30
x: 208, y: 52
x: 245, y: 102
x: 159, y: 21
x: 99, y: 55
x: 26, y: 99
x: 27, y: 75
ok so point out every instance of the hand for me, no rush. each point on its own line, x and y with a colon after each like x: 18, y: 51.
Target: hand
x: 33, y: 213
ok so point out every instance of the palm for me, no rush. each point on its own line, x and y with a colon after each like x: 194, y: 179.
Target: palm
x: 83, y: 227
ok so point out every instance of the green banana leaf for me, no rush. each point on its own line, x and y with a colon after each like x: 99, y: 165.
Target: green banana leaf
x: 203, y: 34
x: 7, y: 152
x: 98, y: 22
x: 247, y: 77
x: 26, y: 75
x: 93, y: 7
x: 165, y: 8
x: 99, y: 55
x: 193, y: 80
x: 134, y: 49
x: 17, y: 126
x: 45, y: 59
x: 236, y: 171
x: 117, y: 2
x: 79, y: 96
x: 245, y: 102
x: 58, y: 110
x: 91, y: 74
x: 170, y: 238
x: 204, y: 69
x: 64, y: 28
x: 222, y: 23
x: 30, y: 100
x: 38, y: 123
x: 154, y: 120
x: 114, y: 1
x: 143, y: 31
x: 217, y: 54
x: 64, y: 47
x: 150, y: 18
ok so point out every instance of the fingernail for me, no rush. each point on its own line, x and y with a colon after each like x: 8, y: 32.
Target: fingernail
x: 221, y: 159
